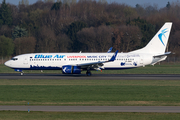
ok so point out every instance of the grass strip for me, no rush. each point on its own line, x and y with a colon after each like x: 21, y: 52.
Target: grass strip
x: 90, y: 92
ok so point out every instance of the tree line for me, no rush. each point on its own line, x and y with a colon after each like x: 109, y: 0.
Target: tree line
x: 86, y: 25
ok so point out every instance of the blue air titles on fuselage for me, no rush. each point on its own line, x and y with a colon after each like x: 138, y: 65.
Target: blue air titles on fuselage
x: 49, y: 56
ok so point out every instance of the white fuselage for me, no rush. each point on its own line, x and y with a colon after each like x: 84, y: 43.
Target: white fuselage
x: 55, y: 61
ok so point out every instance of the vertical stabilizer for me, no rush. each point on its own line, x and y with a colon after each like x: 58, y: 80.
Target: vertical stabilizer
x: 158, y: 43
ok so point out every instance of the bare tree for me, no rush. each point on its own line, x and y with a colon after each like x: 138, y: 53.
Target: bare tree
x: 46, y: 40
x: 63, y: 43
x: 96, y: 39
x: 87, y: 36
x: 25, y: 45
x: 127, y: 38
x: 103, y: 37
x: 174, y: 43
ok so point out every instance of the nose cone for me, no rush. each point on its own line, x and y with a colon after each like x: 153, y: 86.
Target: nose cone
x: 7, y: 63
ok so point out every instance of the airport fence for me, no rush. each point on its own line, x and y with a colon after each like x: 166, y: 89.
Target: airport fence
x: 171, y: 60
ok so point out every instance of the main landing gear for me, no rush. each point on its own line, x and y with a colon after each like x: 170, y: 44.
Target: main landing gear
x: 88, y: 73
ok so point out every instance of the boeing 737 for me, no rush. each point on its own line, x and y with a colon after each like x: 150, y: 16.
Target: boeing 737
x: 75, y: 63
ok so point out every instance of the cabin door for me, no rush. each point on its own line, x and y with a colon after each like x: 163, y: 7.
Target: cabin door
x: 25, y: 60
x: 141, y: 61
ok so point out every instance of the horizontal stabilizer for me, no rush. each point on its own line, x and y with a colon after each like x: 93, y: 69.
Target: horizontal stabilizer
x: 162, y: 55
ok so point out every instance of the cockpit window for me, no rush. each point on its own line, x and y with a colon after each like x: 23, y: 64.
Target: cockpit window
x: 14, y: 59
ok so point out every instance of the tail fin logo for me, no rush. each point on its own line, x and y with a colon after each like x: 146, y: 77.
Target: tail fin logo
x: 162, y: 34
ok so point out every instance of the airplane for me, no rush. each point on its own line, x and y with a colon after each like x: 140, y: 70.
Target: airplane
x: 75, y: 63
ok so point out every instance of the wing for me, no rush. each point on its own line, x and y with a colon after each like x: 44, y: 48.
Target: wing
x: 97, y: 64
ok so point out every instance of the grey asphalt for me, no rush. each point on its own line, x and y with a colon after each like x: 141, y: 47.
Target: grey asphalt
x: 159, y: 109
x: 93, y: 77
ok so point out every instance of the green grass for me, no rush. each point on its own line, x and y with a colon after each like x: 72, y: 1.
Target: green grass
x: 15, y: 115
x: 157, y: 69
x: 90, y: 92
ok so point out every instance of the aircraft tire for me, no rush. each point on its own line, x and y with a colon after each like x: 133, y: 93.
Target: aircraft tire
x: 88, y: 73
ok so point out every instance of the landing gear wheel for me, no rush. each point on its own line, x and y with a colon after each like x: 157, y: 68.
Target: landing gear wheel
x: 22, y: 73
x: 88, y: 73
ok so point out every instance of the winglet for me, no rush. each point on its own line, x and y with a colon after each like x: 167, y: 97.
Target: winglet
x: 110, y: 49
x: 113, y: 57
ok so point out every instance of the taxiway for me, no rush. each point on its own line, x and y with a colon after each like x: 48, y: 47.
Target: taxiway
x: 159, y: 109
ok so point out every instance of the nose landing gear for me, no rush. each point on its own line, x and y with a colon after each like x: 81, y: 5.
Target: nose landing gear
x: 19, y: 70
x: 22, y: 73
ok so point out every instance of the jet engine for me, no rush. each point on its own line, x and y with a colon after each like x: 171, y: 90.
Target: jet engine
x: 68, y: 69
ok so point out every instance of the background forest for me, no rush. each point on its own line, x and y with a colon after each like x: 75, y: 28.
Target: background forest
x: 86, y: 25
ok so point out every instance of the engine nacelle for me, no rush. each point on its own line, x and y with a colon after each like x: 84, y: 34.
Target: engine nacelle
x: 68, y: 69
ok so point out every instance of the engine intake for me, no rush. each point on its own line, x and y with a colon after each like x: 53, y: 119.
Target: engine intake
x: 68, y: 69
